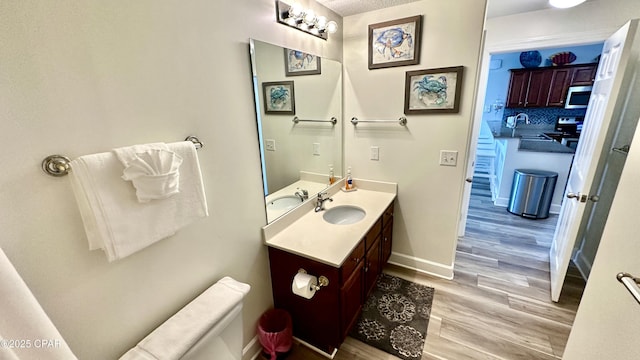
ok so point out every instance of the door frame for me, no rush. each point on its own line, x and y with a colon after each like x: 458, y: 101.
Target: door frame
x: 569, y: 39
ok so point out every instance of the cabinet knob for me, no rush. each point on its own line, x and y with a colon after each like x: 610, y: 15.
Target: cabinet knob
x: 357, y: 260
x: 386, y: 239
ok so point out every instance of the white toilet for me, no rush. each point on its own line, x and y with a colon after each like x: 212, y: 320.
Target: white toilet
x: 209, y: 327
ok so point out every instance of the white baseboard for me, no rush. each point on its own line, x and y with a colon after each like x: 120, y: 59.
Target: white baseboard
x: 583, y: 264
x: 421, y: 265
x: 252, y: 350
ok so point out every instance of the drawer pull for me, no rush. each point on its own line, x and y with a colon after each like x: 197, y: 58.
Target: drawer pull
x: 357, y: 260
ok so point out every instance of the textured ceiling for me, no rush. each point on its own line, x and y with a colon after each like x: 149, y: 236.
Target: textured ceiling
x: 351, y: 7
x: 496, y: 7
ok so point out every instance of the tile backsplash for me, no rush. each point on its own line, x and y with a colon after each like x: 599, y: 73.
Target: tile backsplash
x: 542, y: 116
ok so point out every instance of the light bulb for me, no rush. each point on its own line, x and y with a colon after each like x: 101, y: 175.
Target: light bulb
x: 296, y: 10
x: 321, y: 23
x: 563, y: 4
x: 332, y: 27
x: 309, y: 17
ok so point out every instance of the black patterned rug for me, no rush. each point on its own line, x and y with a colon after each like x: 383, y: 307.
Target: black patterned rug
x: 395, y: 317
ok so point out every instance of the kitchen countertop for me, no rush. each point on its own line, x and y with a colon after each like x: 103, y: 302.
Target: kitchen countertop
x: 527, y: 143
x: 304, y: 232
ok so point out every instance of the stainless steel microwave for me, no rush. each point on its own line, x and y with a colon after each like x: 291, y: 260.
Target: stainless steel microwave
x: 578, y: 97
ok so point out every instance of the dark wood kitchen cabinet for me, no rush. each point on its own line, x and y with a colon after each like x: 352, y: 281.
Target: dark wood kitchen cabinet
x: 546, y: 86
x: 538, y: 89
x: 325, y: 320
x: 560, y: 80
x: 528, y: 88
x: 518, y: 85
x: 584, y: 75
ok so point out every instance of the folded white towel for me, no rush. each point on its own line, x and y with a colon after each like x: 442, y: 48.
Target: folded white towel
x: 208, y: 312
x: 154, y: 173
x: 27, y: 331
x: 113, y: 218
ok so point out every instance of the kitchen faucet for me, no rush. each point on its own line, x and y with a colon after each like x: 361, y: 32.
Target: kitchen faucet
x: 512, y: 122
x: 320, y: 201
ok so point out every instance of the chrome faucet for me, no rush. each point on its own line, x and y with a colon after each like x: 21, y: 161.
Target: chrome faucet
x: 302, y: 194
x: 512, y: 122
x: 320, y: 201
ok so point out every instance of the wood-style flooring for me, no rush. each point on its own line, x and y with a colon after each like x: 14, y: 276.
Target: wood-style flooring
x: 497, y: 306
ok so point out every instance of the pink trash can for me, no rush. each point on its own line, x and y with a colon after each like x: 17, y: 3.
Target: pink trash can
x: 275, y: 332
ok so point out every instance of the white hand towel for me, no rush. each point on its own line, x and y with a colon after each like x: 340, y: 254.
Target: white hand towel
x: 115, y: 221
x: 209, y: 311
x: 152, y: 169
x: 27, y: 331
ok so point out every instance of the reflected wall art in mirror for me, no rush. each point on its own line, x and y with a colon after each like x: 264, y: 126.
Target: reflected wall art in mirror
x: 298, y: 101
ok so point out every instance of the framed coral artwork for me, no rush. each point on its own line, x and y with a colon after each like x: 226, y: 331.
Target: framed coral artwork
x: 395, y: 43
x: 433, y: 90
x: 279, y: 98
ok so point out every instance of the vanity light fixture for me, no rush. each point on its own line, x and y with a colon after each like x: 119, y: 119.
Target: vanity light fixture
x: 306, y: 20
x: 563, y: 4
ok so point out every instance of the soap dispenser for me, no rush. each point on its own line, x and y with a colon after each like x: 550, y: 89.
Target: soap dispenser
x: 349, y: 183
x: 332, y: 178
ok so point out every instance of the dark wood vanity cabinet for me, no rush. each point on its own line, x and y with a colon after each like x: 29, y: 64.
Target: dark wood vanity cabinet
x: 547, y: 86
x: 325, y: 320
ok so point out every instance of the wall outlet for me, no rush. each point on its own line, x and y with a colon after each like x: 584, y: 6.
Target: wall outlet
x: 375, y: 153
x: 316, y: 148
x: 448, y: 158
x: 270, y: 145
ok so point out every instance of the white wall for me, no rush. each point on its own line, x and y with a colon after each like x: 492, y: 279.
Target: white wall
x: 85, y: 76
x: 429, y: 195
x: 594, y: 17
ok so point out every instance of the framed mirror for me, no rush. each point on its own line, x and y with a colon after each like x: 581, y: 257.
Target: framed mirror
x: 298, y: 102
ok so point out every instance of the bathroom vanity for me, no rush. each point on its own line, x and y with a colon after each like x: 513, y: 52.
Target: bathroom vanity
x: 350, y: 256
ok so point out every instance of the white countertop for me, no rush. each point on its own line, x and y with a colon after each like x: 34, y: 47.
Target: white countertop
x: 306, y: 233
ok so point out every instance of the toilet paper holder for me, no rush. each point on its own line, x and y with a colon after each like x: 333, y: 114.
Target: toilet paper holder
x: 322, y: 280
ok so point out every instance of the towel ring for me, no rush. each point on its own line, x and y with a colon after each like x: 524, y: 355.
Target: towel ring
x: 58, y: 165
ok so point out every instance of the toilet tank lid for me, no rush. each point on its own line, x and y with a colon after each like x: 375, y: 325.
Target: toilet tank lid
x: 179, y: 333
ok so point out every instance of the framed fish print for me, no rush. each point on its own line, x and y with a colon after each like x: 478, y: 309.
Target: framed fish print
x: 395, y: 43
x: 279, y: 98
x: 297, y: 62
x: 433, y: 91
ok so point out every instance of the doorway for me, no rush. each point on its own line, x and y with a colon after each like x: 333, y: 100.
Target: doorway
x: 489, y: 193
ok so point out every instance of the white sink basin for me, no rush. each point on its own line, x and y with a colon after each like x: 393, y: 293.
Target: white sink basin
x: 286, y: 202
x: 344, y: 215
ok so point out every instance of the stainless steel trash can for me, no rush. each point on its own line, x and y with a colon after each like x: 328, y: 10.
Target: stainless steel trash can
x: 531, y: 193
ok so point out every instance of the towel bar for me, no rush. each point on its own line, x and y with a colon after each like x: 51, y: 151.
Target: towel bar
x: 631, y: 283
x: 333, y: 120
x: 402, y: 121
x: 58, y: 165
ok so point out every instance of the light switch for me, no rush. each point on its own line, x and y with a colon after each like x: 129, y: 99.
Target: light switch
x: 375, y: 153
x: 316, y: 148
x: 270, y: 145
x: 448, y: 158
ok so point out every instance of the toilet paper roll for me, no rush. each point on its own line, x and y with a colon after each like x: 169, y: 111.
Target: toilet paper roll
x: 304, y: 285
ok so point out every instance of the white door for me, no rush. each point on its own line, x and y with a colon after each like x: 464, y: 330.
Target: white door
x: 605, y: 102
x: 608, y: 320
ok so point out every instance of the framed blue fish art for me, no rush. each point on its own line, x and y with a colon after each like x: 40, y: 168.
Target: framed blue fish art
x: 433, y: 90
x: 279, y: 98
x: 395, y: 43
